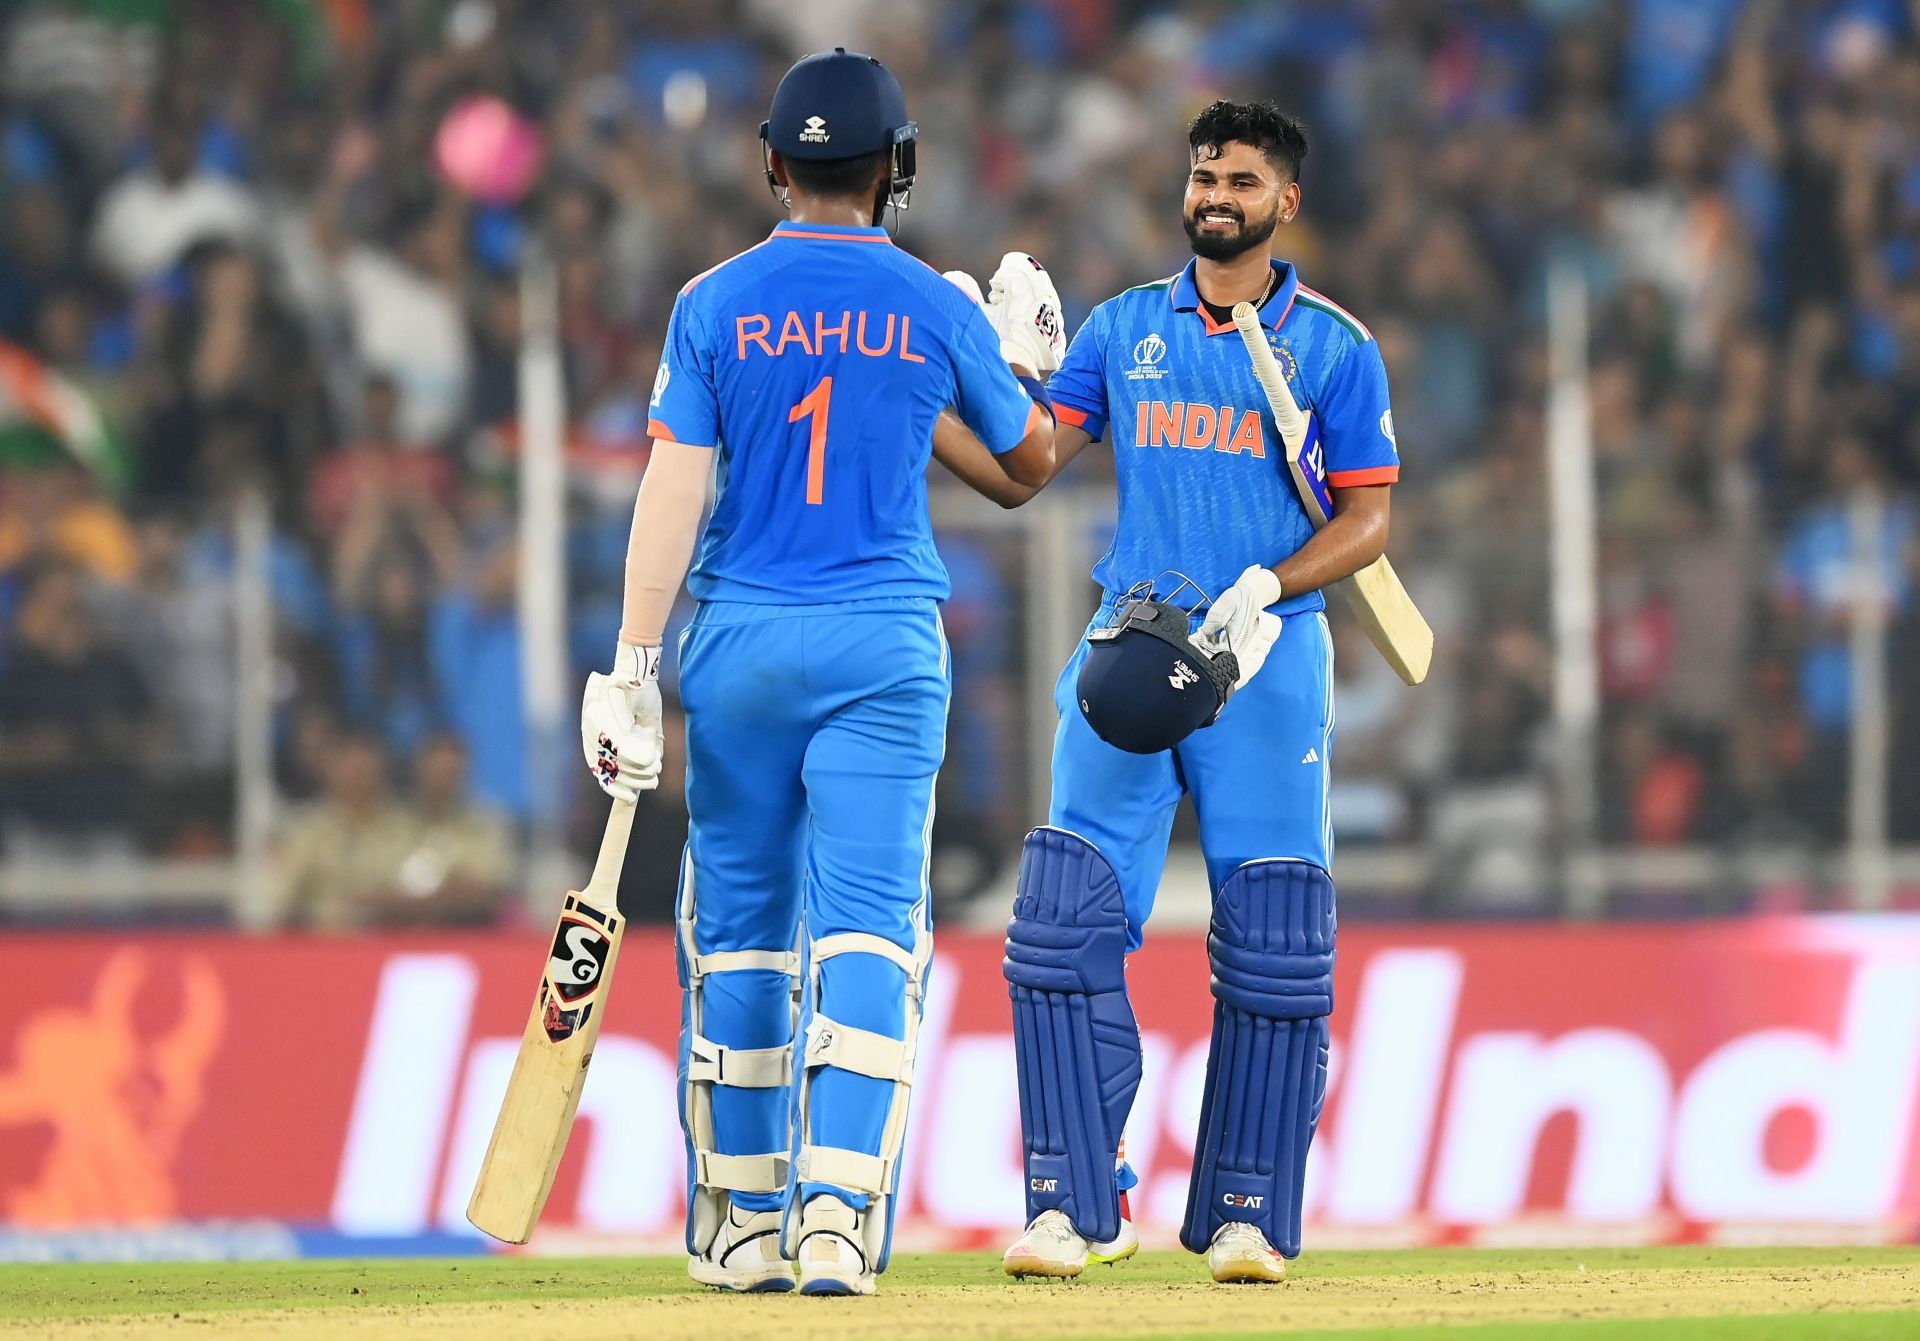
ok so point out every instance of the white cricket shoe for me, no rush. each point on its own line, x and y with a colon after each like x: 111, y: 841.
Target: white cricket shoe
x: 1050, y: 1247
x: 1122, y: 1245
x: 1241, y: 1255
x: 830, y: 1258
x: 745, y: 1255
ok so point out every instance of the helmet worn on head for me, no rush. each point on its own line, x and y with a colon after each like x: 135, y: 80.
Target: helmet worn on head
x: 1145, y: 685
x: 842, y: 104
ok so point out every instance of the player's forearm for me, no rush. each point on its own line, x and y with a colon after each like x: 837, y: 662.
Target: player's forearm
x: 666, y: 522
x: 1354, y: 538
x: 955, y: 447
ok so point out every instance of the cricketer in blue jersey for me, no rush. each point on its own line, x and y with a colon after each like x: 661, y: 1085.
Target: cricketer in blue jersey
x: 1161, y: 374
x: 804, y: 377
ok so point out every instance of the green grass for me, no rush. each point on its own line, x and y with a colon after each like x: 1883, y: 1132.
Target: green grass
x: 160, y: 1292
x: 1786, y: 1327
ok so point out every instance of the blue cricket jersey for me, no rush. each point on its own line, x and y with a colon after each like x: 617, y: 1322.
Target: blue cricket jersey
x: 816, y: 363
x: 1204, y: 485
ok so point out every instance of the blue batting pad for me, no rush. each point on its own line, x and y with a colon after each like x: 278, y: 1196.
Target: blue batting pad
x: 1271, y: 945
x: 1077, y: 1045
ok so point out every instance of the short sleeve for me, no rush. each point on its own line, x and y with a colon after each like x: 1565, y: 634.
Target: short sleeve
x: 1079, y: 388
x: 685, y: 405
x: 1356, y: 421
x: 987, y: 396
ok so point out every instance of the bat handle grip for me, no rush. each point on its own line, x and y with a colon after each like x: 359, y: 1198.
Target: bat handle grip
x: 613, y: 852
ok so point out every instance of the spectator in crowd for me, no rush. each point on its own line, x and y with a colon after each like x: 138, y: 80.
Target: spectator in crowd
x: 1852, y: 549
x: 75, y: 724
x: 152, y: 215
x: 463, y: 861
x: 341, y: 863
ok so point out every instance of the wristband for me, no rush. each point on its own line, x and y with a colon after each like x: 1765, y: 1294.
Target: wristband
x: 636, y: 664
x: 1038, y: 390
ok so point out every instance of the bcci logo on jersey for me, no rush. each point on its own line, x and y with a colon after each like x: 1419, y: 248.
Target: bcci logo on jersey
x: 1289, y: 365
x: 1149, y: 357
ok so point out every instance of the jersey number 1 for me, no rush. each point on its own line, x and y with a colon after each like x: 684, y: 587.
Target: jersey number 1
x: 813, y: 406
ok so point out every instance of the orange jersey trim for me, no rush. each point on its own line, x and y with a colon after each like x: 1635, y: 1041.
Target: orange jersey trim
x: 659, y: 431
x: 1069, y: 416
x: 833, y: 237
x: 688, y: 288
x: 1359, y: 479
x: 1213, y: 327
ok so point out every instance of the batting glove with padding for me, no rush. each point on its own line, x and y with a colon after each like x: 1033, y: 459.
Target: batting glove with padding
x: 1238, y: 621
x: 620, y: 728
x: 1024, y: 308
x: 966, y: 283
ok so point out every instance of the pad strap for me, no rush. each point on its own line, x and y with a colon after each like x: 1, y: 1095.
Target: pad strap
x: 851, y: 1169
x: 746, y: 1068
x: 741, y: 1173
x: 741, y: 961
x: 830, y: 1043
x: 865, y: 943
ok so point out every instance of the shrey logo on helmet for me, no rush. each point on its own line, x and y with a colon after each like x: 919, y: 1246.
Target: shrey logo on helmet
x: 815, y: 131
x: 1139, y: 666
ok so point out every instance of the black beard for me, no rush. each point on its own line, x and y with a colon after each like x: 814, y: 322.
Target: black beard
x: 1224, y: 247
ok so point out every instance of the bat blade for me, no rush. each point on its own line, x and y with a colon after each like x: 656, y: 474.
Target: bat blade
x: 1387, y: 613
x: 550, y: 1072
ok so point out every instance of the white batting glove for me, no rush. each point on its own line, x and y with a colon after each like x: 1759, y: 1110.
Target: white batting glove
x: 1024, y: 308
x: 967, y: 284
x: 1238, y: 621
x: 620, y: 731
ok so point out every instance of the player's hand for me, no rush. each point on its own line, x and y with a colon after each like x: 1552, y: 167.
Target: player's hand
x: 967, y: 284
x: 620, y: 731
x: 1024, y: 308
x: 1238, y: 621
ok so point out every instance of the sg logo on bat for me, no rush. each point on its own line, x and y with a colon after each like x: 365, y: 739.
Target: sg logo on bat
x: 575, y: 966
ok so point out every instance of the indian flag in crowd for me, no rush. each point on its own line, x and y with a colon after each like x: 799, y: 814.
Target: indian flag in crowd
x: 39, y: 402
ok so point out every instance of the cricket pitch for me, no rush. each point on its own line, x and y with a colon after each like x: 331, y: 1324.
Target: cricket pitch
x: 1768, y: 1294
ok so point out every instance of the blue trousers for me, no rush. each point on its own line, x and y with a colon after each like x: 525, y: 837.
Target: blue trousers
x: 813, y: 736
x: 1258, y: 777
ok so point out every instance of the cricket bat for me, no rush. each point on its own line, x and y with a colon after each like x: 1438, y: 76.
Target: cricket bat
x: 530, y: 1134
x: 1386, y: 612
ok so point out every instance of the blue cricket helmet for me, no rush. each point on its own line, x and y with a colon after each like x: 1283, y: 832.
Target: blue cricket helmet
x: 837, y: 104
x: 842, y: 104
x: 1145, y: 685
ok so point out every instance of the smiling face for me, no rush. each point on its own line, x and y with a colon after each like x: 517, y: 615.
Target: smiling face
x: 1236, y: 196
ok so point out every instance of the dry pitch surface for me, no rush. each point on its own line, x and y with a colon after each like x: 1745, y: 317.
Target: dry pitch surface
x: 1449, y: 1295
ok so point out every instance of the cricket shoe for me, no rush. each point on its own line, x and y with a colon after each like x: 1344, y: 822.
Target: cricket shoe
x: 745, y: 1255
x: 1053, y: 1247
x: 1241, y: 1255
x: 1050, y: 1247
x: 829, y: 1255
x: 1122, y: 1245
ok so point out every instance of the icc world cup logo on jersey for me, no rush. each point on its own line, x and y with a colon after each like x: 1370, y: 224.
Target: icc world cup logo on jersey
x: 1149, y: 359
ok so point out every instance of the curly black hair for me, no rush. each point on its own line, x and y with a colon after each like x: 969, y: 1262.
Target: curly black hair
x: 1261, y: 124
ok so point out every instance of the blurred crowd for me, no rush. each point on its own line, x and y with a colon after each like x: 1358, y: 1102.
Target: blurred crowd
x: 230, y: 268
